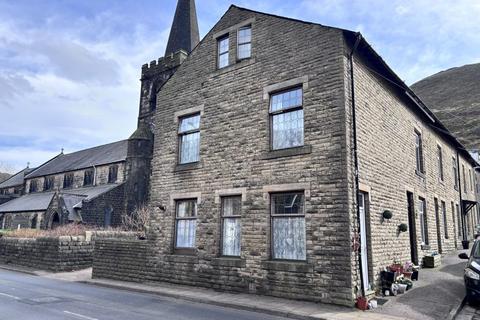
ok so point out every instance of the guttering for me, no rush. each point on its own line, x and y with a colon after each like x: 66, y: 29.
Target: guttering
x: 355, y: 157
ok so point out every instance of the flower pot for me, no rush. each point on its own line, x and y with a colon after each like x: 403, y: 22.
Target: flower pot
x: 402, y: 288
x: 408, y: 274
x: 415, y: 275
x: 362, y: 303
x: 465, y: 244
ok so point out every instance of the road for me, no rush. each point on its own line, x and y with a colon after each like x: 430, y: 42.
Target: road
x: 28, y: 297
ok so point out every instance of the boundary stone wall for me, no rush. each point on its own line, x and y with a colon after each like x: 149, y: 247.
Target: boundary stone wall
x: 64, y: 253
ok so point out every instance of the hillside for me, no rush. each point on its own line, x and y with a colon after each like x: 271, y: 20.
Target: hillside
x: 454, y: 96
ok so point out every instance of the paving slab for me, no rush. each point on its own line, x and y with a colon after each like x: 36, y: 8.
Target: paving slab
x: 437, y: 295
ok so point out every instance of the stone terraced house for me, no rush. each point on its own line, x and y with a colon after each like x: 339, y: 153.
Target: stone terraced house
x: 287, y: 159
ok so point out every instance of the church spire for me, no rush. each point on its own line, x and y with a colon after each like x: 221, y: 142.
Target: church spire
x: 184, y: 33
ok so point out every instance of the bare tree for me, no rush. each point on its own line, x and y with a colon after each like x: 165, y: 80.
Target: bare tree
x: 138, y: 220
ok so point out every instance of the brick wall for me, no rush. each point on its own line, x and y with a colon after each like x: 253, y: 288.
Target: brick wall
x: 52, y: 254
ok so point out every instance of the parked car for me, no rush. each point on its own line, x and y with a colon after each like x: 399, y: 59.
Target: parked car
x: 472, y: 273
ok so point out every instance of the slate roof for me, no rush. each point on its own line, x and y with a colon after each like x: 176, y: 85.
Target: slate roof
x: 96, y: 156
x: 17, y: 179
x: 29, y: 202
x: 90, y: 193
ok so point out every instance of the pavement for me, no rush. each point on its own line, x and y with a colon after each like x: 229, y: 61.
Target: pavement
x: 437, y: 295
x: 469, y: 313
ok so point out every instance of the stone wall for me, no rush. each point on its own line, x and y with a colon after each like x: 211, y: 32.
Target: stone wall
x: 386, y: 125
x: 235, y: 154
x: 94, y: 211
x: 122, y: 259
x: 53, y: 254
x: 101, y: 177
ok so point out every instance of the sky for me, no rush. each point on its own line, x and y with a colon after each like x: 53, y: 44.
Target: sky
x: 69, y: 70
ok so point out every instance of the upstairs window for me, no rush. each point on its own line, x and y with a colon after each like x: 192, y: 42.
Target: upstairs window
x: 112, y: 173
x: 33, y: 186
x: 286, y: 119
x: 422, y: 214
x: 223, y: 47
x: 88, y: 177
x: 48, y: 183
x: 288, y: 226
x: 185, y: 224
x: 464, y: 178
x: 419, y: 152
x: 244, y: 47
x: 231, y: 233
x: 470, y: 179
x: 189, y: 139
x: 440, y: 163
x: 68, y: 180
x: 455, y: 172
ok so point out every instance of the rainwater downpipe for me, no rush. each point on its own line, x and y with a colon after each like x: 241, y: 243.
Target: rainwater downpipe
x: 355, y: 158
x: 462, y: 213
x: 94, y: 176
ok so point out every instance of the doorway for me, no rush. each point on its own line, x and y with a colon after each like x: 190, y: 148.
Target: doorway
x: 412, y: 228
x: 439, y: 231
x: 363, y: 211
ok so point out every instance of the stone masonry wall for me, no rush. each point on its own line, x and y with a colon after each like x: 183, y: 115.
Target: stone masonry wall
x: 101, y: 177
x: 122, y: 259
x: 386, y: 149
x: 53, y: 254
x: 235, y: 154
x: 93, y: 211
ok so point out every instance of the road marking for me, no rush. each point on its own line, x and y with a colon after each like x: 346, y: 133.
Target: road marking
x: 78, y: 315
x: 9, y: 295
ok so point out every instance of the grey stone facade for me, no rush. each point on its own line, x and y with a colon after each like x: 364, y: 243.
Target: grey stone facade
x: 235, y: 158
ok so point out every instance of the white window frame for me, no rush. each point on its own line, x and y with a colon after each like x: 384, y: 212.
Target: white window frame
x: 220, y: 53
x: 238, y: 219
x: 184, y: 133
x: 188, y: 249
x: 239, y: 44
x: 274, y: 216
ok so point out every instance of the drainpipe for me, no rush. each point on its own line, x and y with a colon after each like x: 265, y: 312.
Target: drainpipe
x: 94, y: 176
x: 355, y: 157
x: 462, y: 214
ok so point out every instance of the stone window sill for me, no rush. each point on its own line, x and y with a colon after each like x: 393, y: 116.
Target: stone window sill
x: 290, y: 152
x: 229, y: 262
x: 287, y: 266
x: 187, y: 166
x: 420, y: 174
x: 178, y: 258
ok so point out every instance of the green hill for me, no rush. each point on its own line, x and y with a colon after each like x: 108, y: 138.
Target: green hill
x: 454, y: 96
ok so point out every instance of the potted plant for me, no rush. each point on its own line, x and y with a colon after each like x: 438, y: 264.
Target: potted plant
x: 408, y: 270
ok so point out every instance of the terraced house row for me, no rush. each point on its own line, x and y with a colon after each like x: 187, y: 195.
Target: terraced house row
x: 288, y: 158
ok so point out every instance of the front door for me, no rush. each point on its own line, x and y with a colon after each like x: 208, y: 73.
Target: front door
x: 439, y: 230
x: 363, y: 239
x: 412, y: 228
